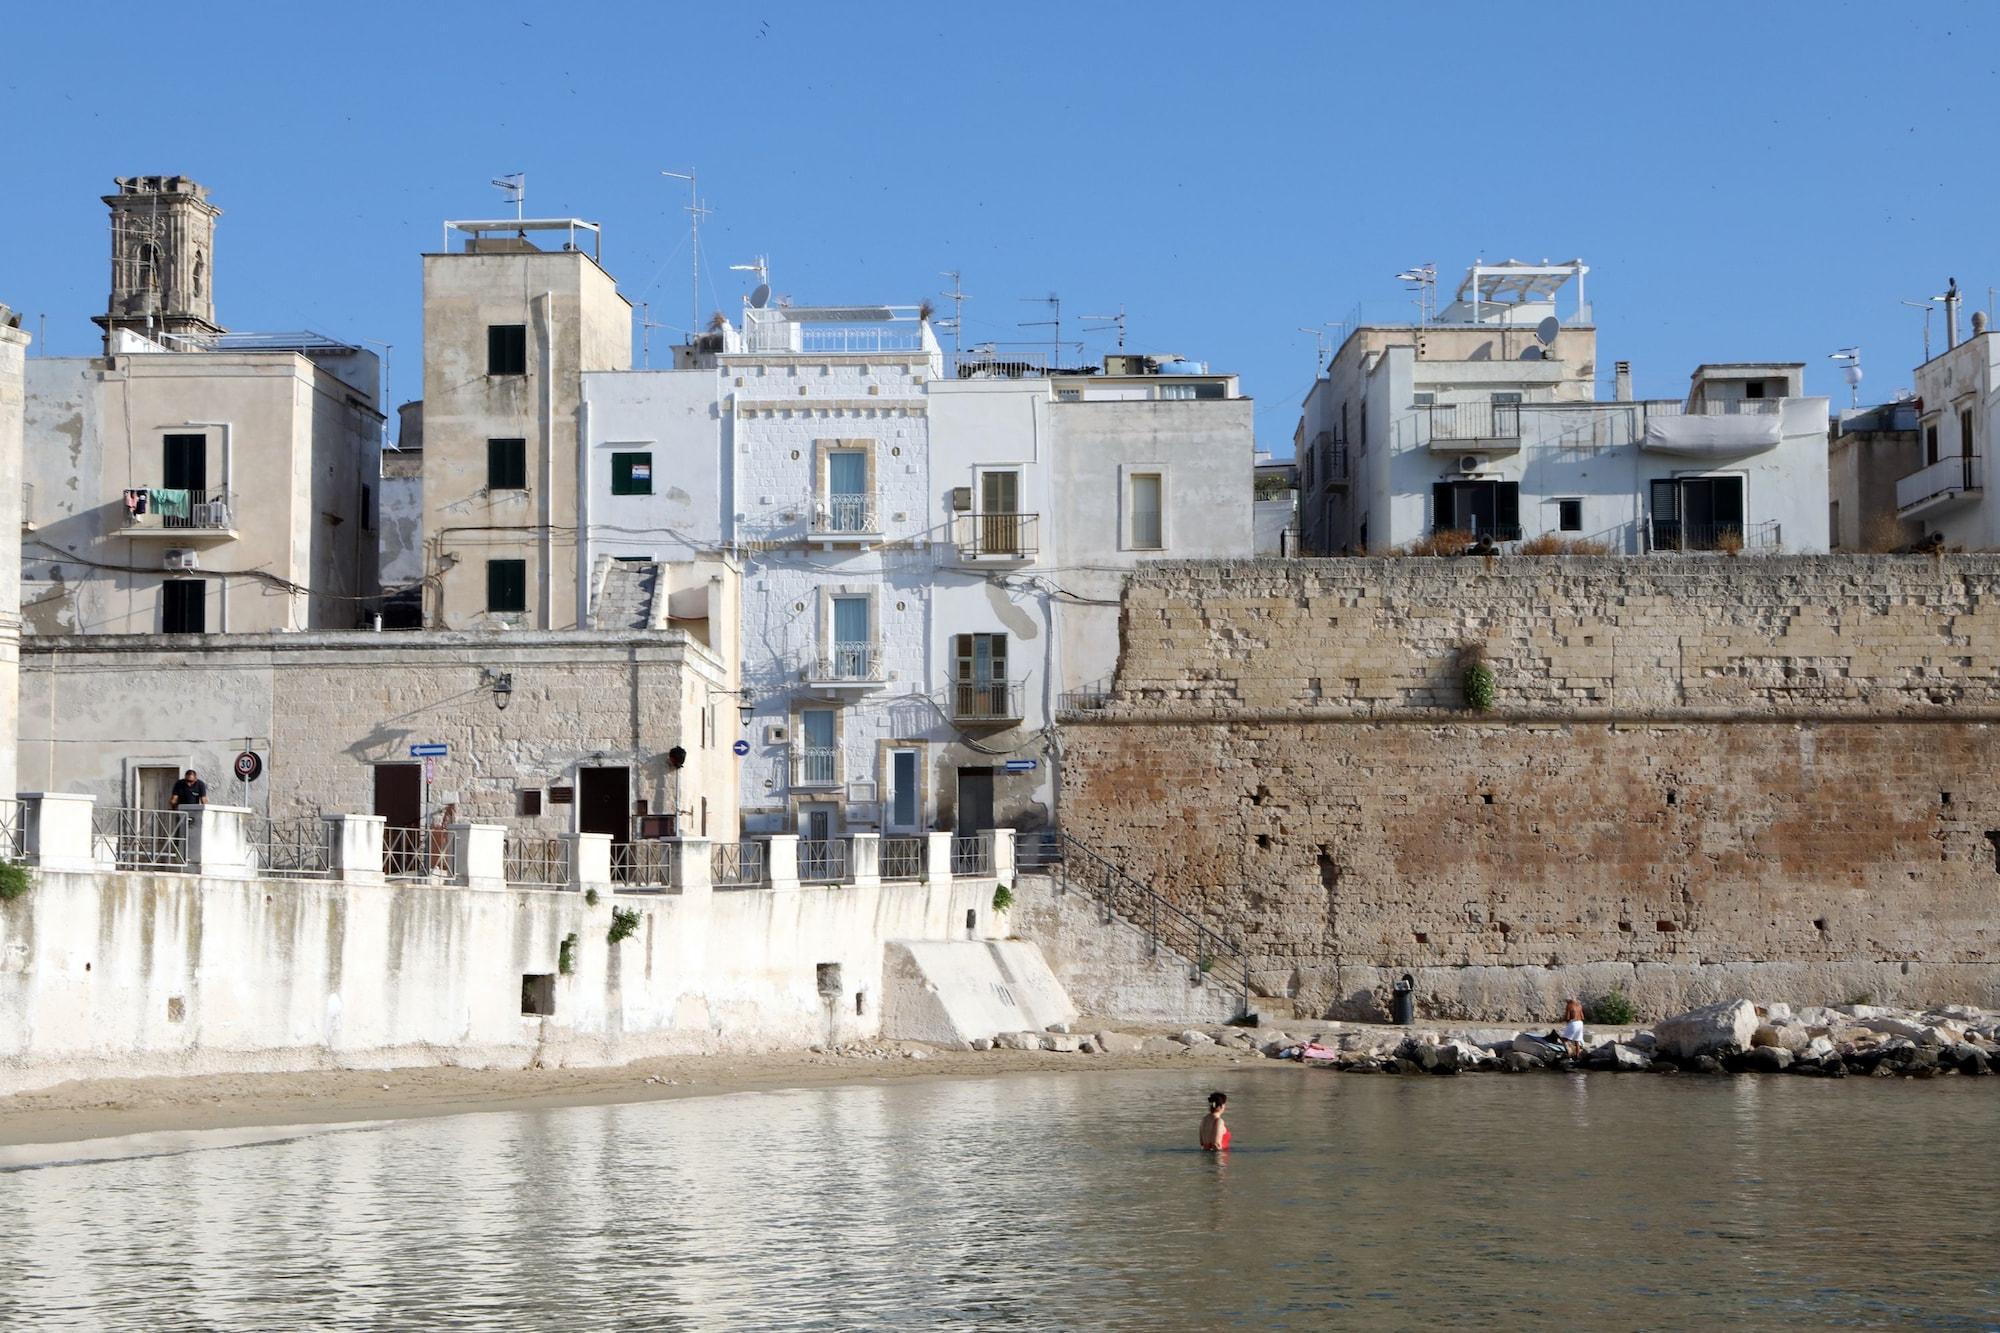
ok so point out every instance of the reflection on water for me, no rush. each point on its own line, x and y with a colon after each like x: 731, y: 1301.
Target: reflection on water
x: 1039, y: 1201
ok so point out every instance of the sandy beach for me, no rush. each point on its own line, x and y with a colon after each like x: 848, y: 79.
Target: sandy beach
x: 108, y: 1108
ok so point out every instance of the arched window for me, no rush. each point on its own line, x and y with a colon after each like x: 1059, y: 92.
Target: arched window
x: 149, y: 267
x: 200, y: 272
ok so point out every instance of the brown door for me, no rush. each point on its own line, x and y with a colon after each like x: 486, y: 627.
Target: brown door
x: 604, y: 805
x: 975, y: 800
x: 399, y: 799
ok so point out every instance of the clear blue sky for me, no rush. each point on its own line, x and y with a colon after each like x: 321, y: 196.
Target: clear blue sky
x: 1747, y: 182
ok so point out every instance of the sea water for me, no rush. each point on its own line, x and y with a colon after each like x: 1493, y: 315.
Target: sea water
x: 1059, y: 1201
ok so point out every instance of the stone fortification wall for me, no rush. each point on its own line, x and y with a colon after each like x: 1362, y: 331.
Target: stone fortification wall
x: 120, y: 975
x: 1702, y: 777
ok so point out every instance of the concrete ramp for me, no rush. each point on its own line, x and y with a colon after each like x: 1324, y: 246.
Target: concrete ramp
x: 947, y: 992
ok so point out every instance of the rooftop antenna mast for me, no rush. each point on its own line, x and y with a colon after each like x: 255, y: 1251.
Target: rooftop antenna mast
x: 696, y: 211
x: 515, y: 186
x: 1321, y: 346
x: 1116, y: 321
x: 1926, y: 307
x: 1423, y: 280
x: 1054, y: 303
x: 646, y: 326
x: 1850, y: 370
x: 958, y: 297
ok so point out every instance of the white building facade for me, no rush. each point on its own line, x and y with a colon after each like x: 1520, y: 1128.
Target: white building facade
x: 1958, y: 407
x: 1486, y: 426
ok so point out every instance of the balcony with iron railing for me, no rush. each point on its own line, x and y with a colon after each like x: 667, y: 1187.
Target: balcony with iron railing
x: 840, y: 520
x: 987, y: 702
x: 815, y: 766
x: 179, y: 515
x: 996, y: 538
x: 845, y: 667
x: 1673, y: 534
x: 1945, y: 484
x: 1460, y: 427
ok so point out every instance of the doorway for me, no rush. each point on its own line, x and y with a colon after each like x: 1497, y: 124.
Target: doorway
x: 604, y: 802
x: 155, y: 785
x: 975, y: 800
x: 905, y: 805
x: 399, y: 799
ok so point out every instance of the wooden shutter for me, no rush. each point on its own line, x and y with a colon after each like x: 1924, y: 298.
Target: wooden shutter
x: 1507, y: 511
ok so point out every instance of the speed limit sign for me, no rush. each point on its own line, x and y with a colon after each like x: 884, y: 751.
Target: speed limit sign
x: 248, y: 766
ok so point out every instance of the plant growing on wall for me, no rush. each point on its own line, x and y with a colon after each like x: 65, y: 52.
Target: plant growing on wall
x: 566, y: 955
x: 1614, y: 1009
x: 590, y: 897
x: 624, y: 924
x: 1477, y: 678
x: 1003, y: 897
x: 14, y: 881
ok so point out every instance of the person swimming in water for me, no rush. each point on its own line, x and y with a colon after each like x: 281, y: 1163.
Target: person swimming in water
x: 1214, y: 1131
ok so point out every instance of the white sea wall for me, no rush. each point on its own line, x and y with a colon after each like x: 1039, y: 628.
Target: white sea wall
x: 127, y: 974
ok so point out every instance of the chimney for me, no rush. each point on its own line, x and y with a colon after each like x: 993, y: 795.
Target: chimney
x: 1621, y: 381
x: 1978, y: 322
x: 1951, y: 315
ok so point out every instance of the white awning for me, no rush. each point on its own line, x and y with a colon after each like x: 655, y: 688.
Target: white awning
x: 1713, y: 436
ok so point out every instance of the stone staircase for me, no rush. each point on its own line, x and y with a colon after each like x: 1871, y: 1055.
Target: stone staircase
x: 624, y: 594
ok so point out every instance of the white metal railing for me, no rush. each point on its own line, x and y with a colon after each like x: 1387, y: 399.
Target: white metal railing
x: 904, y: 858
x: 297, y: 848
x: 12, y: 830
x: 736, y: 865
x: 535, y: 859
x: 986, y: 700
x: 814, y: 765
x: 838, y: 514
x: 135, y: 839
x: 1467, y: 422
x: 648, y: 863
x: 417, y: 853
x: 971, y: 854
x: 1963, y: 474
x: 849, y: 661
x: 1739, y: 407
x: 171, y: 509
x: 822, y: 860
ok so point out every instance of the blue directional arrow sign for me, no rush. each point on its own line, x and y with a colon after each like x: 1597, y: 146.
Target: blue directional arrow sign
x: 432, y: 751
x: 741, y: 747
x: 1020, y: 765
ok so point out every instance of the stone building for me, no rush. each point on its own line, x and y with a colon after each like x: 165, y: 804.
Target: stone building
x: 1872, y: 449
x: 1958, y: 404
x: 192, y: 480
x: 1697, y: 779
x: 510, y: 328
x: 1484, y: 423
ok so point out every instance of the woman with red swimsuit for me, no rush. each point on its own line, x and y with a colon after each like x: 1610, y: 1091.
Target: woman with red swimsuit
x: 1215, y: 1133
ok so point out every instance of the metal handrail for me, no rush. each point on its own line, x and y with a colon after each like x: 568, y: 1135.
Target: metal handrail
x: 648, y: 863
x: 1672, y: 534
x: 1143, y: 906
x: 139, y: 839
x: 986, y: 700
x: 537, y: 860
x: 410, y: 852
x: 849, y: 661
x: 1008, y: 535
x: 177, y: 508
x: 1475, y: 421
x: 844, y: 513
x: 815, y: 765
x: 298, y: 848
x: 1086, y: 698
x: 823, y: 860
x: 904, y: 858
x: 971, y: 854
x: 1959, y: 473
x: 12, y: 829
x: 736, y: 865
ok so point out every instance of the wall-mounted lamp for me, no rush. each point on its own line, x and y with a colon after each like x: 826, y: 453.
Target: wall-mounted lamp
x: 503, y: 688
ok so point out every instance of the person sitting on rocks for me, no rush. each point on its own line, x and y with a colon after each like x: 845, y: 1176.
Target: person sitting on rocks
x: 1572, y: 1028
x: 1214, y: 1133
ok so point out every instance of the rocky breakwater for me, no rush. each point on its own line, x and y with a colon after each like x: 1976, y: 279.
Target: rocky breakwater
x: 1730, y: 1037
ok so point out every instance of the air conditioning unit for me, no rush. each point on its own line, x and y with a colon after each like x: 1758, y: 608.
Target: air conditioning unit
x: 777, y: 733
x: 1470, y: 462
x: 182, y: 557
x: 211, y: 514
x: 961, y: 499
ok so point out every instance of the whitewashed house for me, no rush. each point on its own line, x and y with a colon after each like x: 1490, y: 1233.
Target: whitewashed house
x: 1486, y: 422
x: 1958, y: 410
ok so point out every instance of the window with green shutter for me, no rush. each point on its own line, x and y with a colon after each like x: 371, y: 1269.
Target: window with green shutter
x: 631, y: 474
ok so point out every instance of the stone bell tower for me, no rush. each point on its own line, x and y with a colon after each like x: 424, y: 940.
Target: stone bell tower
x: 162, y: 259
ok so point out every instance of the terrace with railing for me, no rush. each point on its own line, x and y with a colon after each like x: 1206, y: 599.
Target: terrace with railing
x: 178, y: 512
x: 995, y: 538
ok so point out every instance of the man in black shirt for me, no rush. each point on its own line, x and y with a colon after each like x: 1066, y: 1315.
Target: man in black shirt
x: 189, y: 792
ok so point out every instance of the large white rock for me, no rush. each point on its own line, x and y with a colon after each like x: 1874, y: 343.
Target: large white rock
x: 1018, y: 1041
x: 1707, y: 1030
x: 1194, y: 1038
x: 1061, y: 1042
x: 1118, y: 1043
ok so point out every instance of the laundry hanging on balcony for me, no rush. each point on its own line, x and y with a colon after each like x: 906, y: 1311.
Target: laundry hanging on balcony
x: 168, y: 502
x: 1701, y: 436
x: 135, y: 503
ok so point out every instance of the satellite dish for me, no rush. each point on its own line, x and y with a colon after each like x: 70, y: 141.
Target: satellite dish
x: 762, y: 296
x: 1545, y: 332
x: 1531, y: 353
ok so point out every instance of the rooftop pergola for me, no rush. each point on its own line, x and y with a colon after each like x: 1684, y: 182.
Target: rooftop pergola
x: 1516, y: 282
x: 475, y: 229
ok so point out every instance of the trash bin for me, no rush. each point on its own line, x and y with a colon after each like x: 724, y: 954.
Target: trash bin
x: 1403, y: 1000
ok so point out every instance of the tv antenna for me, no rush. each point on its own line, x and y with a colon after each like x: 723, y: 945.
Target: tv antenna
x: 515, y: 186
x: 1054, y: 303
x: 761, y: 266
x: 696, y: 211
x: 646, y: 326
x: 1321, y: 346
x: 958, y: 297
x: 1116, y: 321
x: 1926, y: 306
x: 1850, y: 370
x: 1423, y: 280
